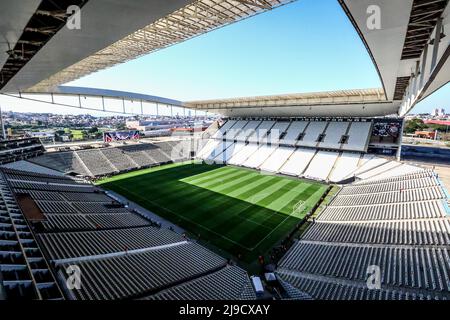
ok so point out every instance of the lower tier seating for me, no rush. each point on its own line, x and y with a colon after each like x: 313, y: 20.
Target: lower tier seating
x: 139, y: 274
x: 229, y: 283
x: 397, y: 225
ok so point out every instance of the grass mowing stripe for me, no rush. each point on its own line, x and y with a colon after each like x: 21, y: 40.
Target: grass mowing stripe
x: 227, y: 187
x: 206, y: 176
x: 137, y: 196
x: 276, y: 191
x: 287, y: 197
x: 251, y: 184
x: 260, y: 213
x: 217, y: 182
x: 140, y: 173
x: 160, y: 175
x: 235, y: 209
x: 260, y: 188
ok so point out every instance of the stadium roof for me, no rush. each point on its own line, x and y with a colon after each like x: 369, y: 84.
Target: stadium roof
x: 345, y: 103
x: 407, y: 44
x: 108, y: 36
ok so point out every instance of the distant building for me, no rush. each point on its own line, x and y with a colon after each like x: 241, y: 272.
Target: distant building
x: 438, y: 112
x: 426, y: 134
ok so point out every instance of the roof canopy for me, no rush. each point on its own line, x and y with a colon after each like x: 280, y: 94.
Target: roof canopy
x: 406, y: 40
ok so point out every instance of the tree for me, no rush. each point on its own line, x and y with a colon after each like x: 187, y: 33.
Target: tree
x: 93, y: 130
x: 414, y: 125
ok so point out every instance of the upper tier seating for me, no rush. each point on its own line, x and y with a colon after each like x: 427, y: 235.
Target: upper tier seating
x: 358, y: 136
x: 235, y: 130
x: 219, y: 134
x: 276, y: 132
x: 294, y: 131
x: 260, y: 134
x: 247, y: 131
x: 312, y: 133
x: 333, y: 135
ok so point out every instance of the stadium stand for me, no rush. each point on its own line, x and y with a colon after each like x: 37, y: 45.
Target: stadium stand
x: 358, y: 136
x: 345, y: 166
x: 298, y: 162
x: 219, y: 149
x: 249, y: 129
x: 208, y: 148
x: 113, y: 160
x: 321, y: 165
x: 333, y: 135
x: 23, y: 269
x: 261, y: 132
x: 277, y: 159
x: 293, y: 133
x: 211, y: 287
x: 77, y: 223
x: 277, y: 132
x: 20, y: 149
x: 66, y: 162
x: 230, y: 152
x: 258, y: 158
x: 243, y: 155
x: 398, y: 224
x: 232, y: 133
x: 144, y: 272
x: 271, y: 146
x: 312, y: 134
x: 119, y: 159
x: 221, y: 132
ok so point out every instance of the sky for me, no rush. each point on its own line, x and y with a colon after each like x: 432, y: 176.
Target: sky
x: 304, y: 46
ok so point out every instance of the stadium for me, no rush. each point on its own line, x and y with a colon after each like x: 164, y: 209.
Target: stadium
x: 301, y: 196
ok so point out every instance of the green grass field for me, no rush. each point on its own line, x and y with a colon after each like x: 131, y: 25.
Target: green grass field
x: 236, y: 210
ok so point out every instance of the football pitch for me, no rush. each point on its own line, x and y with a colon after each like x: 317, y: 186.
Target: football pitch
x: 240, y: 211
